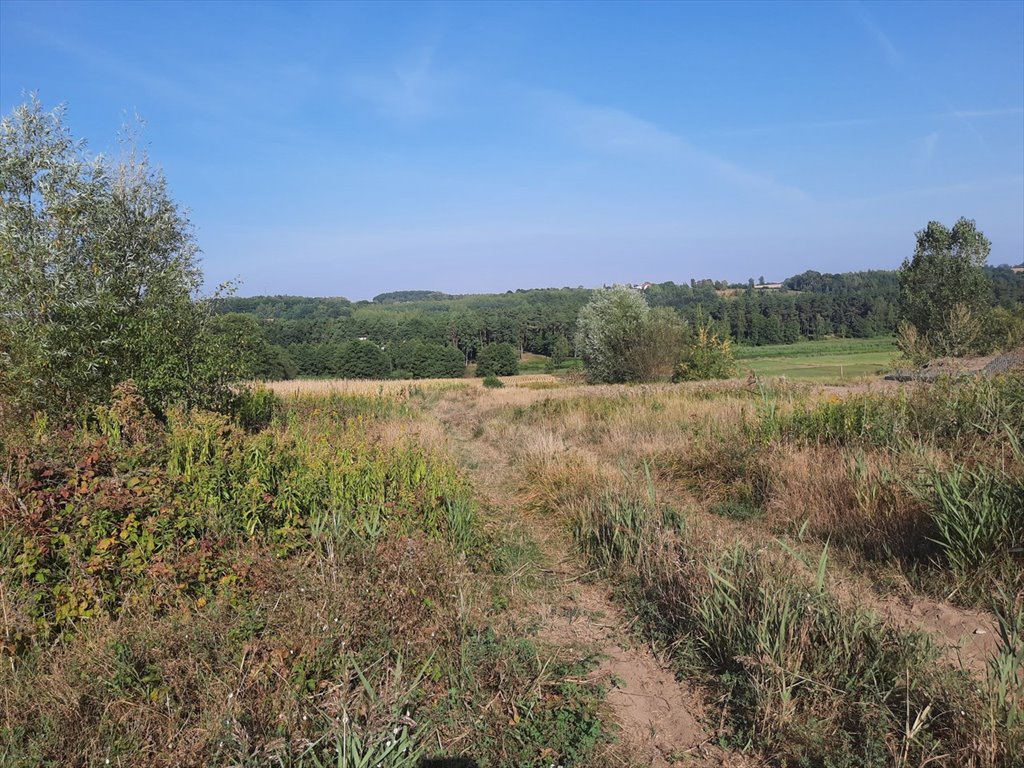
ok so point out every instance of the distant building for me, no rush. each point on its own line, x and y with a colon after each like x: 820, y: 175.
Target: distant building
x: 644, y: 286
x: 768, y: 286
x: 1018, y: 269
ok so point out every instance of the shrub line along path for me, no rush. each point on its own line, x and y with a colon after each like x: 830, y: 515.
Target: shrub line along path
x: 659, y: 720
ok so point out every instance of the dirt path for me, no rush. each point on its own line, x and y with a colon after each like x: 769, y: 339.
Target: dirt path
x: 660, y: 720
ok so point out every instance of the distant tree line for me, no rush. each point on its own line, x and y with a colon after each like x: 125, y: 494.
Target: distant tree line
x: 300, y: 336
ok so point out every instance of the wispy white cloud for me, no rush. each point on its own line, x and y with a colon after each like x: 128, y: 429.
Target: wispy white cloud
x: 113, y: 66
x: 966, y: 120
x: 851, y: 122
x: 204, y: 99
x: 876, y: 33
x: 979, y: 113
x: 412, y: 89
x: 1004, y: 182
x: 609, y: 129
x: 855, y: 122
x: 926, y: 150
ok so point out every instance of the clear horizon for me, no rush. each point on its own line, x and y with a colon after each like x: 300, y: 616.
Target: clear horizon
x: 358, y: 149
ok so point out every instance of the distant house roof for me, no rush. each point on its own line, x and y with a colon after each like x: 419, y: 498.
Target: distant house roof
x: 1019, y: 268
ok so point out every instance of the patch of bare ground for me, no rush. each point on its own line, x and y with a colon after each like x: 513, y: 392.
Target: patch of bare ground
x: 661, y: 721
x: 989, y: 365
x: 966, y: 638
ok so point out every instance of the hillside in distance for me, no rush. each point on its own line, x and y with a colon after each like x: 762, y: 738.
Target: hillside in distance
x: 311, y: 336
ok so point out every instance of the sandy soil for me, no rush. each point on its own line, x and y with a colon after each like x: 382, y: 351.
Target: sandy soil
x: 967, y: 638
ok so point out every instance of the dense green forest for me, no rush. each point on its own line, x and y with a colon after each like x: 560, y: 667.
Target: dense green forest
x: 426, y: 334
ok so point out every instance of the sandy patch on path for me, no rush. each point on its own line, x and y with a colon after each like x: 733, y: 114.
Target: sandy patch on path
x: 966, y: 638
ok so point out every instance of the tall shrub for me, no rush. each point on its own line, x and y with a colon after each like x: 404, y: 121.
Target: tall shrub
x: 622, y: 339
x: 99, y: 277
x: 707, y: 357
x: 497, y: 360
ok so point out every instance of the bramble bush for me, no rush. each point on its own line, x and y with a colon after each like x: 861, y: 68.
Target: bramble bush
x: 124, y: 507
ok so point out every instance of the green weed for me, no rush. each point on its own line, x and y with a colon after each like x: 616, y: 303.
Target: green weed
x: 977, y: 514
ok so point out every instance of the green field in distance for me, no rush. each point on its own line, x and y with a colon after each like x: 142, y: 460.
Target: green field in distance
x: 824, y: 360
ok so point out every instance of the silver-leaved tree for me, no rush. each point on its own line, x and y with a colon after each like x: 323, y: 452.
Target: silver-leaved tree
x: 99, y: 277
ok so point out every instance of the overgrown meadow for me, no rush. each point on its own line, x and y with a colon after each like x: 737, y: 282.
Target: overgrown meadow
x: 779, y: 542
x: 199, y: 572
x: 314, y: 579
x: 304, y: 583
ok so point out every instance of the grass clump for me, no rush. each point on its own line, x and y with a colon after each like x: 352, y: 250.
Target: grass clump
x: 546, y: 716
x: 977, y: 512
x: 493, y: 382
x: 617, y: 530
x: 735, y: 510
x: 1006, y: 674
x: 934, y: 478
x: 813, y: 682
x: 949, y: 413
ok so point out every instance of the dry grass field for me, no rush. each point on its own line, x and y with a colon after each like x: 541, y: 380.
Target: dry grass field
x: 370, y: 387
x: 546, y: 573
x: 819, y: 559
x: 784, y: 485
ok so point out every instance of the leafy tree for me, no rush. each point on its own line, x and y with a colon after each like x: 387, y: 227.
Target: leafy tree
x: 99, y: 277
x: 275, y: 364
x: 621, y: 339
x: 560, y: 351
x: 658, y: 349
x: 398, y: 297
x: 361, y: 360
x: 944, y: 292
x: 241, y: 333
x: 1004, y: 328
x: 607, y: 329
x: 313, y: 359
x: 810, y: 305
x: 426, y: 360
x: 497, y: 360
x: 707, y: 357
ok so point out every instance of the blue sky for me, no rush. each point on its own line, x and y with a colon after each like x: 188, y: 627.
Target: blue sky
x: 346, y: 149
